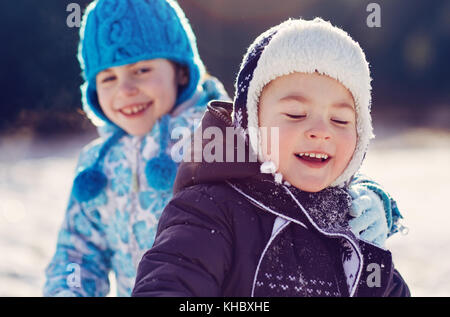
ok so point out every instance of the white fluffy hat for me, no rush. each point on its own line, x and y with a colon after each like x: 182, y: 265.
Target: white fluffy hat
x: 306, y: 46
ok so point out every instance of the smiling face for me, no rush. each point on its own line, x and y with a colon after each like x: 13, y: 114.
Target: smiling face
x: 134, y: 96
x: 316, y: 117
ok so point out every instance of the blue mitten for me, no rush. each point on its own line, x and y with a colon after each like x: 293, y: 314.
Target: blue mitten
x: 361, y: 185
x: 369, y: 222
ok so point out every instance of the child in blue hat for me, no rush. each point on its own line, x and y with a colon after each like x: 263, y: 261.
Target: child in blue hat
x: 143, y: 78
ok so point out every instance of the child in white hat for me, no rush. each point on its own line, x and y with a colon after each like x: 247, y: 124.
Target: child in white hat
x: 278, y: 226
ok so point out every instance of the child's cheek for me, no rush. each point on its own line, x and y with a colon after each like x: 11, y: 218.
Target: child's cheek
x: 287, y: 139
x: 161, y: 87
x: 105, y: 100
x: 348, y: 144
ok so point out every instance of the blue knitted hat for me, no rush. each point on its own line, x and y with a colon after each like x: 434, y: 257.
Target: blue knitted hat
x: 120, y: 32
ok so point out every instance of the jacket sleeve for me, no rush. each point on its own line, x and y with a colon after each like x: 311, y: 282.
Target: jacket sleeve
x: 397, y: 286
x: 192, y: 250
x: 81, y: 263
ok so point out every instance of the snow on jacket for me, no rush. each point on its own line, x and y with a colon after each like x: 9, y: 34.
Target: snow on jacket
x: 113, y: 230
x: 231, y: 231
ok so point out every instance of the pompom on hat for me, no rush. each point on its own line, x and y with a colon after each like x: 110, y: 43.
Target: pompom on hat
x: 298, y: 45
x: 160, y: 171
x: 91, y: 181
x: 121, y: 32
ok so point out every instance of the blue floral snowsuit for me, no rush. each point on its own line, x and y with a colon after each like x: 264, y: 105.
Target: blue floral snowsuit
x: 113, y: 230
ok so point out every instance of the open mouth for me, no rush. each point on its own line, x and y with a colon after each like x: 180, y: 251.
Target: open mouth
x: 135, y: 110
x: 316, y: 160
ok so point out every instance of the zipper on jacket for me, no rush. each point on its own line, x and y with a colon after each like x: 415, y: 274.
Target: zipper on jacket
x: 134, y: 201
x: 135, y: 178
x: 218, y: 114
x: 135, y: 182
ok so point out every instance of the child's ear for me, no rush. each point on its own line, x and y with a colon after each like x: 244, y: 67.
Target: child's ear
x: 182, y: 75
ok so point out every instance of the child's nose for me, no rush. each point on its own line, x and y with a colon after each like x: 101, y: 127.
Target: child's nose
x: 127, y: 88
x: 318, y: 131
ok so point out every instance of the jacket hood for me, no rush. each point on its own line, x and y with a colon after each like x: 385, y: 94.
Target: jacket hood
x: 193, y: 171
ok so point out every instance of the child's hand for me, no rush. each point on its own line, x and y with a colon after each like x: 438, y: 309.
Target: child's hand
x: 370, y: 220
x: 66, y: 293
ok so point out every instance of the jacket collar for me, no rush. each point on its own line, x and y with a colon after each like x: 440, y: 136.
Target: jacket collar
x: 192, y: 172
x: 324, y: 212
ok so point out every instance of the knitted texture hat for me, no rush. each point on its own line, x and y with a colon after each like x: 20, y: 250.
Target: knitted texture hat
x: 120, y: 32
x: 307, y: 47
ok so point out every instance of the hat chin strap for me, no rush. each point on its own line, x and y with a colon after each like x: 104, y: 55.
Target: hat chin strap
x: 90, y: 182
x: 161, y: 170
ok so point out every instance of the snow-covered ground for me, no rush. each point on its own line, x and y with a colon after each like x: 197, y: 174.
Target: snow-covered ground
x: 36, y: 175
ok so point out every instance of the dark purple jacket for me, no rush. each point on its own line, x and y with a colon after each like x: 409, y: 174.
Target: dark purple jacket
x: 231, y: 231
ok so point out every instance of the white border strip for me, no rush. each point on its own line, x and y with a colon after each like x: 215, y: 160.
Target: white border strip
x: 254, y: 201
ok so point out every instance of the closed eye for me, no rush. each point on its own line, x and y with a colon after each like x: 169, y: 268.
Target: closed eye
x: 295, y: 116
x: 339, y: 121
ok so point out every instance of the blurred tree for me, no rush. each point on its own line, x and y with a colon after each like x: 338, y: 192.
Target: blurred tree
x: 39, y: 72
x: 40, y: 76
